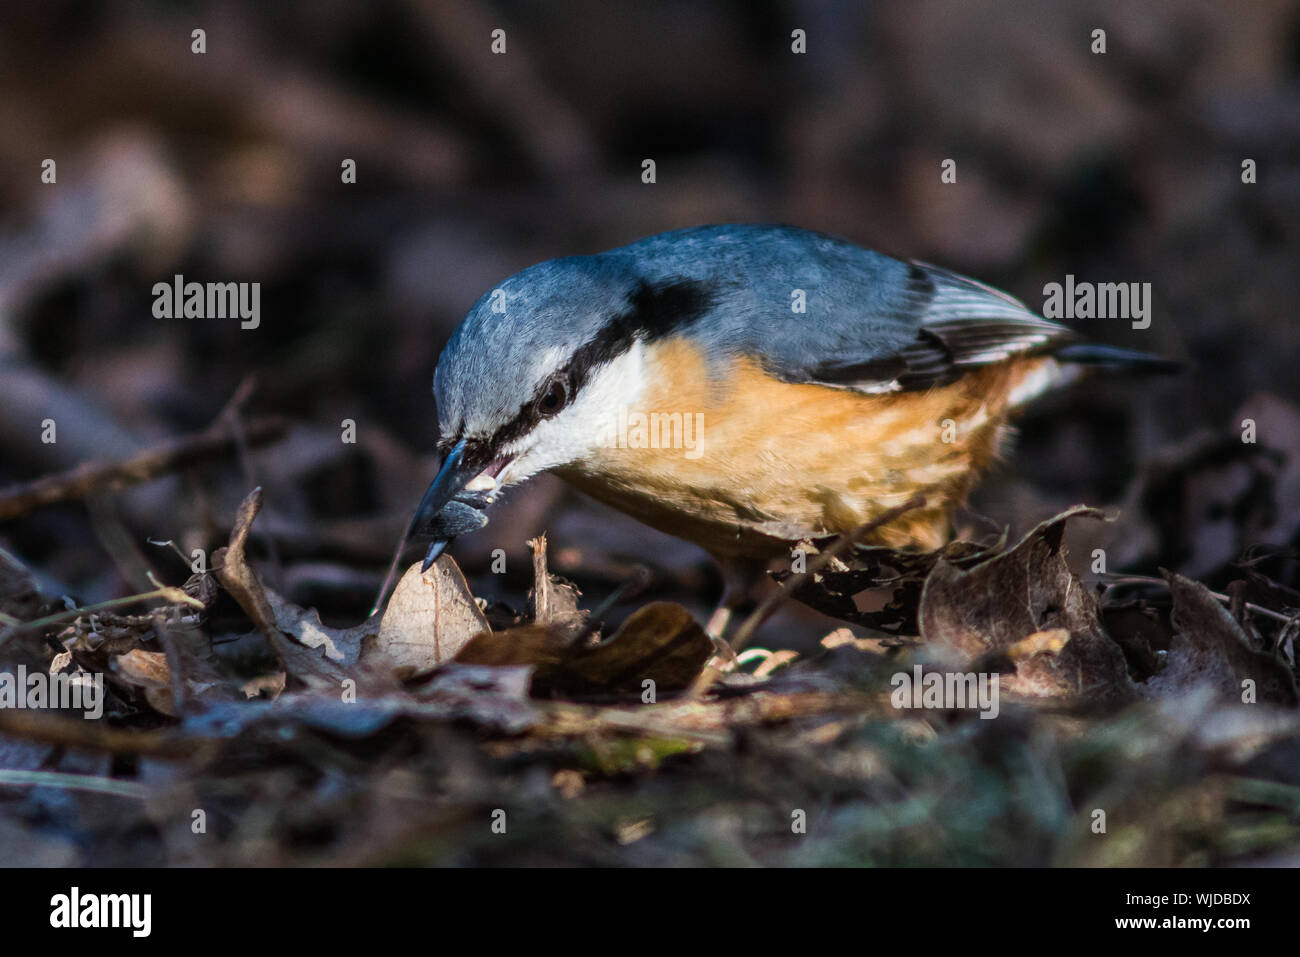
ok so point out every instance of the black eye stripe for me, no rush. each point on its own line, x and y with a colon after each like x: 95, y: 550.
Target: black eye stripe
x: 654, y: 311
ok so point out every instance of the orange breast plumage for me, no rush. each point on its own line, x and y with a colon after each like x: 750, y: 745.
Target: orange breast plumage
x: 744, y: 464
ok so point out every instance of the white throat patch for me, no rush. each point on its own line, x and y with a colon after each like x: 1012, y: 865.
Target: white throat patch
x: 583, y: 426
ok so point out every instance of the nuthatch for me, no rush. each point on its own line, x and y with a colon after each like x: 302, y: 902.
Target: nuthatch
x: 743, y: 387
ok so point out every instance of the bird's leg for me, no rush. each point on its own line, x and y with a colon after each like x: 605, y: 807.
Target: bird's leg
x: 741, y: 578
x: 719, y: 620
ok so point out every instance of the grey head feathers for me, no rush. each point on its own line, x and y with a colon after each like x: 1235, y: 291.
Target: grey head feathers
x: 529, y: 347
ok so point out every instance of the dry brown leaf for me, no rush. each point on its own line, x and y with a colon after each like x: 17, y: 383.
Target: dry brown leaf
x: 553, y: 601
x: 148, y: 670
x: 310, y: 664
x: 342, y: 645
x: 430, y: 617
x: 144, y: 669
x: 524, y: 645
x: 987, y: 610
x: 234, y: 572
x: 660, y: 642
x: 1209, y: 648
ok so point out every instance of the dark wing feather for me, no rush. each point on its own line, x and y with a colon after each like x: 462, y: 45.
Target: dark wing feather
x: 958, y: 324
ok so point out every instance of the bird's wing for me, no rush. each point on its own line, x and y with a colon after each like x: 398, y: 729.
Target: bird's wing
x: 933, y: 326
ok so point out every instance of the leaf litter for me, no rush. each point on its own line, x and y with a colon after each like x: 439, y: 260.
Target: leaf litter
x: 391, y: 741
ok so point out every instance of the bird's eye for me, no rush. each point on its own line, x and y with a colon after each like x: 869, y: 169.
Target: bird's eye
x: 554, y: 398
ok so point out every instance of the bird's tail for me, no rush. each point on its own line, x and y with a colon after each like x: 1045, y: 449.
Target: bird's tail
x: 1071, y: 363
x: 1114, y: 359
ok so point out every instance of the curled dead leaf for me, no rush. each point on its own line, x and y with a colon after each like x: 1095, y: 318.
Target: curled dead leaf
x: 983, y: 613
x: 660, y: 642
x: 149, y: 671
x: 554, y: 600
x: 1210, y: 649
x: 430, y: 618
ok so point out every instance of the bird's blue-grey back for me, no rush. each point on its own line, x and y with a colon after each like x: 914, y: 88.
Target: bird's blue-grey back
x: 865, y: 319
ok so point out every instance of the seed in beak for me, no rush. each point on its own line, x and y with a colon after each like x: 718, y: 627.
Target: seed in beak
x: 483, y: 482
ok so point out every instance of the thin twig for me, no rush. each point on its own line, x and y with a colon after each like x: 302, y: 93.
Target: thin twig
x: 1119, y: 579
x: 120, y: 545
x: 232, y: 414
x: 172, y: 594
x: 634, y: 585
x: 97, y: 736
x: 174, y: 662
x: 217, y: 441
x: 74, y: 782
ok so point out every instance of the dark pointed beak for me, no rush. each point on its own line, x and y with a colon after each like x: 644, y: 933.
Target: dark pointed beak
x: 453, y: 476
x: 446, y: 510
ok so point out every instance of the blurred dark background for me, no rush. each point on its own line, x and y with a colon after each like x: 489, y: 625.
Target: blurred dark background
x: 1117, y: 167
